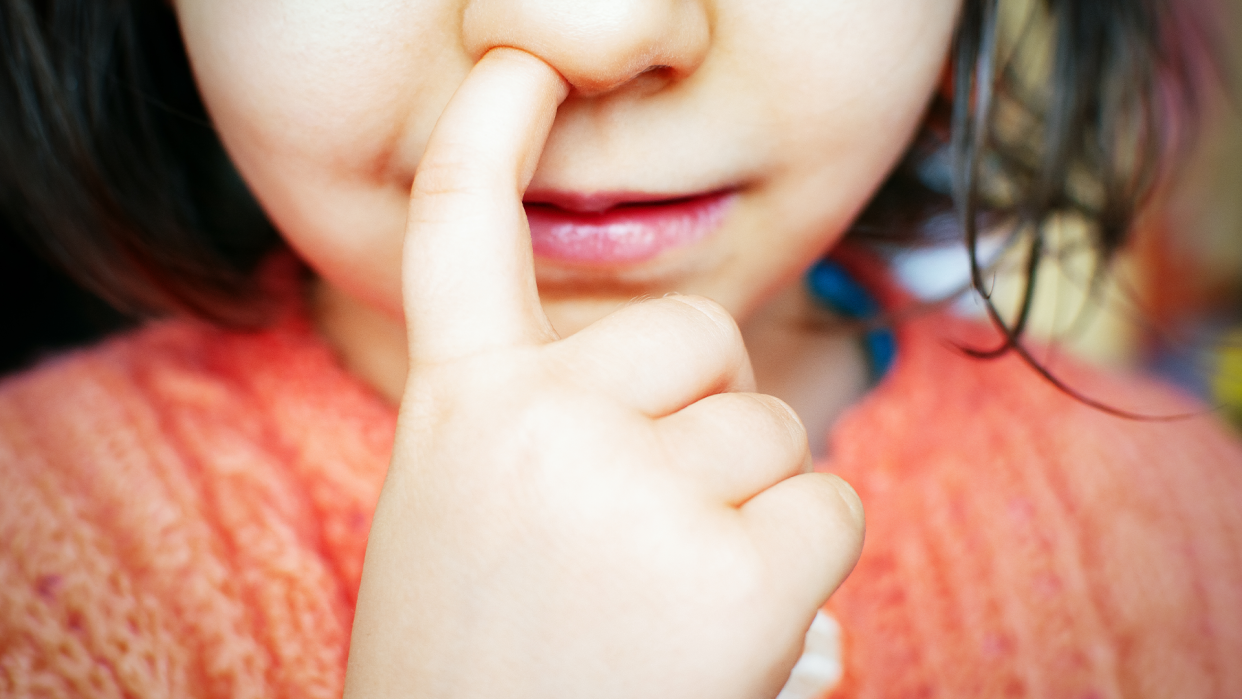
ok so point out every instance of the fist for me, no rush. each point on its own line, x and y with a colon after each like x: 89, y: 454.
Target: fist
x: 612, y: 514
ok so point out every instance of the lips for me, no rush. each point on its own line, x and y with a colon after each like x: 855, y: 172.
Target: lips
x: 610, y: 229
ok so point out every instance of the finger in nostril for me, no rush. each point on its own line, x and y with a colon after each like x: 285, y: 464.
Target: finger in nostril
x: 648, y: 79
x: 599, y: 46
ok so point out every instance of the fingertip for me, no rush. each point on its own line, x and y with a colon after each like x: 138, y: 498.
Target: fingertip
x: 808, y: 463
x: 840, y: 510
x: 812, y: 524
x: 743, y: 373
x: 540, y: 69
x: 849, y: 496
x: 713, y: 310
x: 784, y: 414
x: 745, y: 381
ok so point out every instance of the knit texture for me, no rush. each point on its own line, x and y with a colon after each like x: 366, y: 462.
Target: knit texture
x: 184, y: 511
x: 1022, y: 544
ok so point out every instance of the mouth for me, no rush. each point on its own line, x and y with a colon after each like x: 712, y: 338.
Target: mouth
x: 620, y: 228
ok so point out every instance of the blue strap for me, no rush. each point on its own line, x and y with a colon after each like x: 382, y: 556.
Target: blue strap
x: 830, y: 284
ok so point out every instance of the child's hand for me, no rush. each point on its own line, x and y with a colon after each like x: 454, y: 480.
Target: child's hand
x: 608, y: 515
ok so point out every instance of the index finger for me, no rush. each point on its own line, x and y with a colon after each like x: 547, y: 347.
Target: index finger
x: 467, y: 268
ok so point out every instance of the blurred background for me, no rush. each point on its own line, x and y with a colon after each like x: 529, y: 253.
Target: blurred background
x: 1172, y: 304
x: 41, y: 311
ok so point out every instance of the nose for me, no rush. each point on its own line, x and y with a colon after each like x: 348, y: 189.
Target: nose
x: 597, y: 45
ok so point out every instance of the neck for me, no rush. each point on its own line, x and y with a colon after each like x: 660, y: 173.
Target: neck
x: 803, y: 355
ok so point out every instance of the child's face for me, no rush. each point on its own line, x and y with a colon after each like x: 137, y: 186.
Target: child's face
x: 797, y: 107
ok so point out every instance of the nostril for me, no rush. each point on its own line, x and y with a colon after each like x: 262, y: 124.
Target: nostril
x: 649, y: 79
x: 661, y: 72
x: 598, y: 46
x: 653, y: 78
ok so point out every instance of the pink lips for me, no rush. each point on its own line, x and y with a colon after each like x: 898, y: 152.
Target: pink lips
x: 619, y: 228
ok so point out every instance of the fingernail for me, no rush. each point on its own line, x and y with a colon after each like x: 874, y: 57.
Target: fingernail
x: 849, y: 496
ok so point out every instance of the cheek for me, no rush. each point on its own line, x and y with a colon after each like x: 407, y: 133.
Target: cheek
x: 855, y: 90
x: 317, y: 109
x: 325, y: 110
x: 844, y: 87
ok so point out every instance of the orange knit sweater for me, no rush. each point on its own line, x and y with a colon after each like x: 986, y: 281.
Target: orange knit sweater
x: 183, y: 512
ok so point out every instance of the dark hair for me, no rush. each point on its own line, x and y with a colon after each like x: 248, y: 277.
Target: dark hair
x: 1088, y: 133
x: 109, y: 165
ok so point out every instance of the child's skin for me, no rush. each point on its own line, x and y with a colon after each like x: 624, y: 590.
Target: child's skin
x: 605, y: 515
x: 615, y: 513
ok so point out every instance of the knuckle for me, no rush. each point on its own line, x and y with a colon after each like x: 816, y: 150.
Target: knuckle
x: 783, y: 411
x: 713, y: 312
x: 439, y: 177
x: 780, y: 415
x: 462, y: 174
x: 716, y: 326
x: 838, y: 500
x: 851, y: 499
